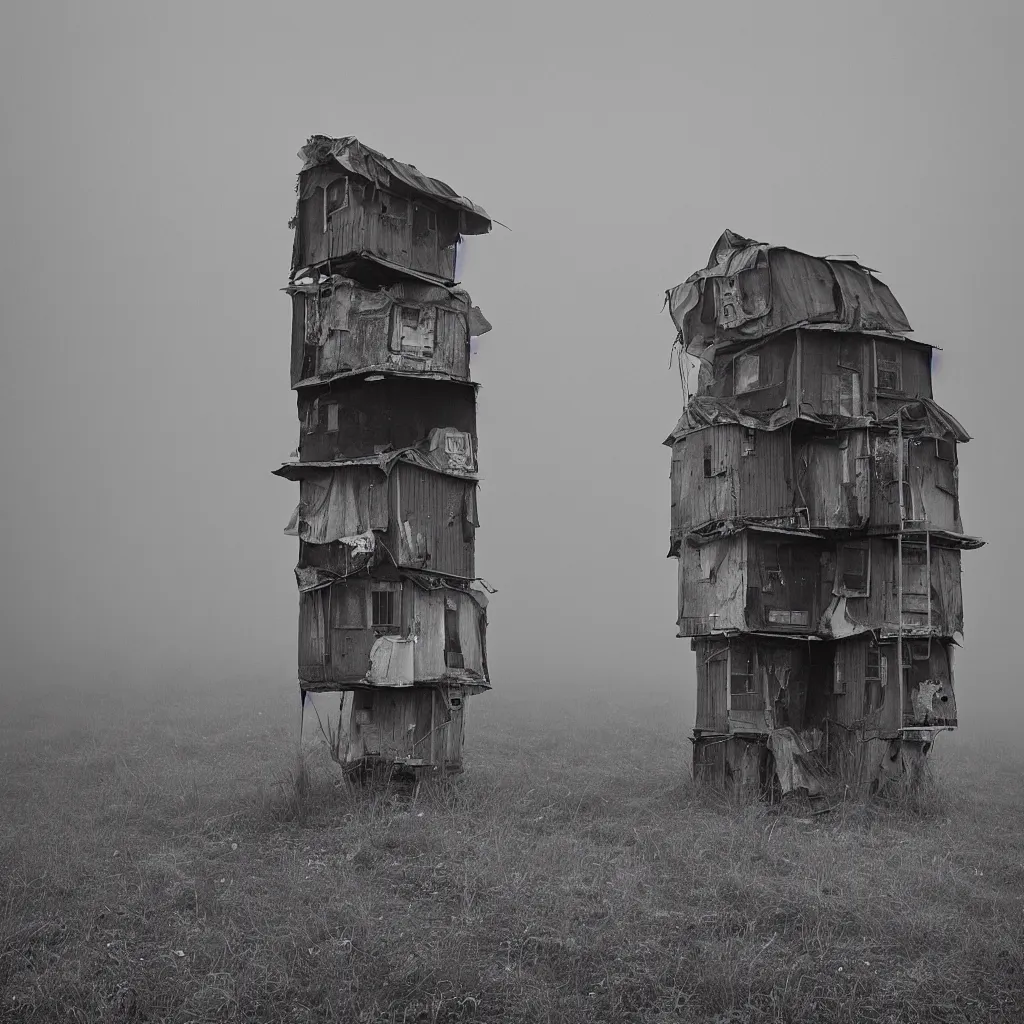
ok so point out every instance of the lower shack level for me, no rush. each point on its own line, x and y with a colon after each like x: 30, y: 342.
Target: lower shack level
x: 790, y: 713
x: 419, y: 728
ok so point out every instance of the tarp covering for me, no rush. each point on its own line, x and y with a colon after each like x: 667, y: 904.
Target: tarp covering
x: 793, y: 763
x: 339, y: 507
x: 391, y: 661
x: 351, y: 155
x: 920, y: 417
x: 751, y: 290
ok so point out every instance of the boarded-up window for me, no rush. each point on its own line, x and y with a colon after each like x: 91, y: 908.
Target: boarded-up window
x: 384, y: 610
x: 748, y: 373
x: 452, y: 644
x: 840, y: 393
x: 332, y: 417
x: 741, y: 675
x: 853, y: 569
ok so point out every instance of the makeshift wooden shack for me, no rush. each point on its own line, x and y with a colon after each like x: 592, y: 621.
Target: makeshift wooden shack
x: 816, y: 522
x: 392, y: 616
x: 374, y: 218
x: 340, y: 327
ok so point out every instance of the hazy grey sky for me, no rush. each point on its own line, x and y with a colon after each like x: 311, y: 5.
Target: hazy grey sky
x: 148, y: 172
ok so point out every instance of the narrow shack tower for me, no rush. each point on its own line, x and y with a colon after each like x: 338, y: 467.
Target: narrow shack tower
x: 816, y: 524
x: 392, y: 619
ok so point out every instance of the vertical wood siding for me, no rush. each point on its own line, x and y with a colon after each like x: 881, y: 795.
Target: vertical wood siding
x: 362, y: 225
x: 429, y: 527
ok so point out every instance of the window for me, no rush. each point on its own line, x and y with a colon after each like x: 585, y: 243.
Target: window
x: 853, y: 569
x: 394, y: 207
x: 749, y: 441
x: 383, y: 606
x: 789, y: 617
x: 309, y: 360
x: 452, y: 644
x: 849, y: 354
x: 748, y: 373
x: 336, y: 196
x: 838, y: 677
x: 712, y: 465
x: 741, y: 676
x: 772, y: 579
x: 840, y: 393
x: 424, y: 223
x: 332, y: 417
x: 945, y: 449
x: 707, y: 460
x: 875, y: 671
x: 890, y: 368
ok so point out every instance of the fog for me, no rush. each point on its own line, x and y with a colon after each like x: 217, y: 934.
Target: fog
x: 148, y: 174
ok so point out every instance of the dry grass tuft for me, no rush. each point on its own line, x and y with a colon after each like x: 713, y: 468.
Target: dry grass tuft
x: 164, y: 861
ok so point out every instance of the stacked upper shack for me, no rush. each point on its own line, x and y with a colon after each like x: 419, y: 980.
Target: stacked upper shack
x: 816, y: 523
x: 392, y: 621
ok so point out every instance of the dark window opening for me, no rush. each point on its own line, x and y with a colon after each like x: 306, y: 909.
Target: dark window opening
x: 707, y: 461
x: 749, y: 441
x: 309, y: 361
x: 452, y: 644
x: 853, y: 568
x: 771, y: 568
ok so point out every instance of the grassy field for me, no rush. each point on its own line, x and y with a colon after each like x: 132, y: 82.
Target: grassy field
x: 155, y: 866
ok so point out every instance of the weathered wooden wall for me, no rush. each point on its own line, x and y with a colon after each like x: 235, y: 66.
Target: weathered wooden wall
x: 369, y: 416
x: 336, y: 632
x: 419, y: 726
x: 835, y: 374
x: 729, y: 472
x: 344, y: 327
x: 775, y: 379
x: 833, y: 479
x: 424, y: 520
x: 417, y: 234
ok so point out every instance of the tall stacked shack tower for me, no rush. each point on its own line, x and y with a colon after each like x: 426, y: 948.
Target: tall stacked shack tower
x: 392, y: 621
x: 816, y: 523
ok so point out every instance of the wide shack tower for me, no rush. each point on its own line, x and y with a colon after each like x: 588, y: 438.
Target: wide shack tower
x: 392, y: 618
x: 816, y: 524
